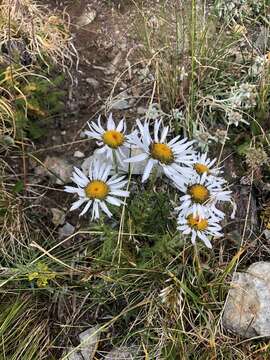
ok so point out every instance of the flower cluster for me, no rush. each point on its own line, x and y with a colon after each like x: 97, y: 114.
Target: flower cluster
x: 191, y: 173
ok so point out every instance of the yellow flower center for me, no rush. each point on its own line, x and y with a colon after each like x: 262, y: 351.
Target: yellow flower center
x: 197, y: 223
x: 199, y: 193
x: 97, y: 189
x: 201, y: 168
x: 161, y: 152
x: 113, y: 138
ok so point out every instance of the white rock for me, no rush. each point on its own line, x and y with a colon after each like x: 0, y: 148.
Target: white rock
x: 122, y: 353
x: 136, y: 168
x: 93, y: 82
x: 89, y: 340
x: 75, y: 355
x: 141, y: 110
x: 58, y: 216
x: 65, y: 231
x: 266, y: 233
x: 58, y: 169
x: 78, y: 154
x: 247, y: 310
x: 87, y: 17
x: 120, y: 104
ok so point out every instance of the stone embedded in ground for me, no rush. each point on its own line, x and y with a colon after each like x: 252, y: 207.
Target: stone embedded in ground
x: 89, y: 340
x: 120, y: 104
x: 65, y: 231
x: 79, y: 154
x: 266, y: 233
x: 247, y: 310
x: 87, y: 16
x: 93, y: 82
x: 122, y: 353
x: 58, y: 216
x: 58, y: 169
x: 75, y: 355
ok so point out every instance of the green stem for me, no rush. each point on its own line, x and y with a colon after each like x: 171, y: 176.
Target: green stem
x: 115, y: 162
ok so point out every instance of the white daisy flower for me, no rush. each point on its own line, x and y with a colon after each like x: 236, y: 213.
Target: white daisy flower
x: 112, y: 140
x: 203, y: 164
x: 202, y: 193
x: 199, y: 227
x: 169, y: 156
x: 97, y: 189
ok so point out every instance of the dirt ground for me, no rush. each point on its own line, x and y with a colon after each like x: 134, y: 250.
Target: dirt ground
x: 103, y: 46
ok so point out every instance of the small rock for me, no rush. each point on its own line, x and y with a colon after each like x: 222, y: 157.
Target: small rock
x: 121, y: 104
x: 93, y: 82
x: 121, y: 101
x: 58, y: 169
x: 75, y: 355
x: 87, y: 17
x: 247, y: 311
x: 89, y: 342
x: 58, y: 216
x: 141, y: 110
x: 65, y: 231
x: 78, y: 154
x: 122, y: 353
x: 267, y: 234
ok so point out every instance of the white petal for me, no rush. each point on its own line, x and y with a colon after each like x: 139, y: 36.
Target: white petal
x: 174, y: 140
x: 79, y: 181
x: 115, y: 179
x: 147, y: 170
x: 193, y: 237
x: 105, y: 209
x: 120, y: 126
x: 93, y: 135
x: 81, y: 174
x: 101, y: 170
x: 136, y: 158
x: 95, y: 214
x: 113, y: 201
x: 106, y: 173
x: 102, y: 150
x: 156, y: 129
x: 87, y: 206
x: 204, y: 239
x: 97, y: 128
x: 187, y: 231
x: 119, y: 193
x: 71, y: 189
x: 110, y: 123
x: 118, y: 185
x: 164, y: 134
x: 77, y: 204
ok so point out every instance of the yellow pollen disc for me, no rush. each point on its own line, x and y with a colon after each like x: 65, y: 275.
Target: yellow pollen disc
x: 201, y: 168
x: 199, y: 193
x: 197, y: 223
x: 97, y: 189
x: 113, y: 138
x: 161, y: 152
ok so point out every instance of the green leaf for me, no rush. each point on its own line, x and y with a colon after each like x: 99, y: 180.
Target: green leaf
x: 243, y: 148
x: 35, y: 131
x: 18, y: 187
